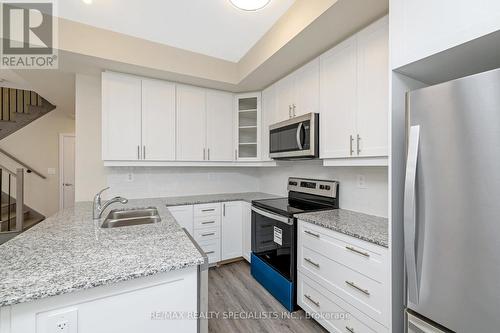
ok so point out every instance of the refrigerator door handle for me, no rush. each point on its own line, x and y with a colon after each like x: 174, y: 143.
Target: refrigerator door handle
x: 410, y: 214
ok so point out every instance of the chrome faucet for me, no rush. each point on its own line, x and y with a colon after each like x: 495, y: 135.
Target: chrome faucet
x: 98, y: 207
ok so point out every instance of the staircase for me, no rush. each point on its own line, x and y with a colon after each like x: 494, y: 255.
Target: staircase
x: 20, y: 107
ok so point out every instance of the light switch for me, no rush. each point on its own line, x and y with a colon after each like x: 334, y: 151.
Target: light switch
x: 51, y: 171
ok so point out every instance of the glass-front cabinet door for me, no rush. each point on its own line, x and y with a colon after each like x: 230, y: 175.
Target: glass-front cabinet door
x: 248, y: 126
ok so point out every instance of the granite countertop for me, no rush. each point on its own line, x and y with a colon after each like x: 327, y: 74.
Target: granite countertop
x: 209, y: 198
x: 369, y: 228
x: 69, y: 252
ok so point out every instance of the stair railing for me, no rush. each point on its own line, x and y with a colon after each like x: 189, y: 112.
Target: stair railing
x: 12, y: 186
x: 27, y: 167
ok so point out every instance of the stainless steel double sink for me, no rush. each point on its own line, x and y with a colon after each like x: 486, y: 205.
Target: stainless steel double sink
x: 128, y: 217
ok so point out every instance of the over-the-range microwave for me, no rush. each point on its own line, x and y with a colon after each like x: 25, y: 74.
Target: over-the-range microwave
x: 296, y: 138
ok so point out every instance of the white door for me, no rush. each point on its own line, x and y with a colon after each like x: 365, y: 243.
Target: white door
x: 220, y: 126
x: 338, y: 100
x: 121, y: 117
x: 372, y: 116
x: 232, y: 232
x: 67, y: 170
x: 247, y: 230
x: 268, y: 118
x: 307, y: 89
x: 284, y: 98
x: 191, y: 123
x: 158, y: 120
x: 184, y: 216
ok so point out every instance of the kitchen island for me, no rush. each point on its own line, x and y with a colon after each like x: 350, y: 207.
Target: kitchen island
x: 67, y: 274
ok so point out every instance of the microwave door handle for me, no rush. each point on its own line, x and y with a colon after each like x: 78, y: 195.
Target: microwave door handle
x: 409, y: 219
x: 299, y: 140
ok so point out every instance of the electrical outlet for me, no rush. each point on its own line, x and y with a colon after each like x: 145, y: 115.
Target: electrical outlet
x: 362, y: 181
x: 130, y: 177
x: 51, y: 171
x: 61, y: 321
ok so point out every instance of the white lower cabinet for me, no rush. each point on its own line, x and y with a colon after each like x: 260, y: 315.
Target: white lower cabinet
x: 183, y: 215
x: 247, y: 230
x: 232, y: 231
x: 222, y: 230
x: 342, y: 275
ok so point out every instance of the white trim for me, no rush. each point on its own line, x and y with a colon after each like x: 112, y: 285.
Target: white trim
x: 189, y: 164
x: 61, y: 166
x: 357, y: 161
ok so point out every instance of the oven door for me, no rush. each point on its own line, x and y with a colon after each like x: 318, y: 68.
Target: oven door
x: 273, y: 241
x: 294, y: 138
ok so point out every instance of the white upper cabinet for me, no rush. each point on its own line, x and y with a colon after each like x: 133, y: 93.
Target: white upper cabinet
x: 248, y: 129
x: 298, y: 93
x: 158, y: 120
x: 373, y: 90
x: 421, y: 28
x: 306, y: 87
x: 220, y: 126
x: 121, y: 117
x: 268, y: 118
x: 354, y: 95
x: 191, y: 123
x: 338, y: 100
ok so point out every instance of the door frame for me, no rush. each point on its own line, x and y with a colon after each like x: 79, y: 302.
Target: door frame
x: 61, y: 166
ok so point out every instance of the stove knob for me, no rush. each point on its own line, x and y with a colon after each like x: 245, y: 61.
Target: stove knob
x: 327, y: 187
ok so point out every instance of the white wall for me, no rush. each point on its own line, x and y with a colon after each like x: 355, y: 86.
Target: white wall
x: 163, y: 181
x: 90, y: 174
x: 370, y: 200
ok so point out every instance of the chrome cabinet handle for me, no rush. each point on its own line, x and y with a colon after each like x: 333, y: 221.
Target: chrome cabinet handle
x: 352, y: 284
x: 203, y: 153
x: 138, y: 152
x: 350, y: 248
x: 208, y: 234
x: 208, y: 154
x: 311, y: 233
x: 409, y: 214
x: 208, y: 210
x: 358, y: 139
x: 350, y: 144
x: 350, y: 329
x: 223, y: 209
x: 312, y: 300
x: 143, y: 152
x: 235, y: 154
x: 208, y: 222
x: 289, y: 111
x: 67, y: 184
x: 210, y: 252
x: 311, y: 262
x: 294, y: 106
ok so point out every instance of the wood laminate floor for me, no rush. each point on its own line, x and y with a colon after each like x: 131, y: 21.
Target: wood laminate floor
x: 232, y: 291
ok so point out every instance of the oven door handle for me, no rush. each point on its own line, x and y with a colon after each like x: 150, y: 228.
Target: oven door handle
x: 272, y: 216
x: 299, y: 132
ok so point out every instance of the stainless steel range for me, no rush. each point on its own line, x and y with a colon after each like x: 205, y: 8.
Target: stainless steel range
x: 274, y: 234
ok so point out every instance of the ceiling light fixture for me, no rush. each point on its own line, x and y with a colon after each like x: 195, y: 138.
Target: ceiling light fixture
x: 87, y: 2
x: 250, y: 5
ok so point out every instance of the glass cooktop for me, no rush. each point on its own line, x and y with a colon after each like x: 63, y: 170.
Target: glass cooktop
x: 288, y: 207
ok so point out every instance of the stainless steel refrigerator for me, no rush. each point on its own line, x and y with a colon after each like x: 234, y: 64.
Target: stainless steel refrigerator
x: 452, y: 206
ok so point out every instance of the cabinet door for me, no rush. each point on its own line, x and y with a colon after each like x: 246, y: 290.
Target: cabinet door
x: 158, y: 120
x: 373, y: 90
x: 306, y: 90
x: 338, y: 100
x: 184, y: 216
x: 232, y: 231
x: 284, y: 98
x: 191, y: 123
x: 268, y: 118
x: 247, y: 230
x: 220, y: 126
x: 121, y: 117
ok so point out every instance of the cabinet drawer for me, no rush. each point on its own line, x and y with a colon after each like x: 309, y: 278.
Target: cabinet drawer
x: 207, y: 209
x: 331, y: 311
x: 206, y: 222
x: 211, y: 249
x: 207, y: 234
x: 364, y: 293
x: 363, y: 257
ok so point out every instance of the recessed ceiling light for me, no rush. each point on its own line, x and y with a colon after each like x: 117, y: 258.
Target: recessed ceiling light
x: 88, y: 2
x: 250, y: 5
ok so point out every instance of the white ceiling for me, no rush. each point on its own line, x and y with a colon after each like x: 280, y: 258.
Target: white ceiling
x: 211, y: 27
